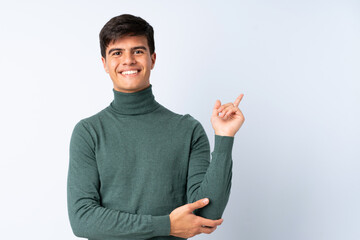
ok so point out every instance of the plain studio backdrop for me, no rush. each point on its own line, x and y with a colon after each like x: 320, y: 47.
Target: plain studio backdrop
x: 296, y: 171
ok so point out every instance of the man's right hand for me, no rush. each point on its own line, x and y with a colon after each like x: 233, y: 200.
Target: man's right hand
x: 185, y: 224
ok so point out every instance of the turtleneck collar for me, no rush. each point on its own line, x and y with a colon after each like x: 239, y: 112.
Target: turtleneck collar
x: 140, y: 102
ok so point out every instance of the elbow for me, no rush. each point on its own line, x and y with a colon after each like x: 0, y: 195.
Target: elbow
x: 77, y: 227
x: 214, y: 210
x: 79, y: 216
x: 78, y: 233
x: 210, y: 212
x: 79, y: 222
x: 82, y: 222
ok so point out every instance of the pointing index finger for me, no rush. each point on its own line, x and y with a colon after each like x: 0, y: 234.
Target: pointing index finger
x: 238, y: 99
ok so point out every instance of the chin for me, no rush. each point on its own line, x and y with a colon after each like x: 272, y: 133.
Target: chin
x: 130, y: 86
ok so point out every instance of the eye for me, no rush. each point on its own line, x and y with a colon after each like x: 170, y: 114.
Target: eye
x: 117, y: 53
x: 139, y: 52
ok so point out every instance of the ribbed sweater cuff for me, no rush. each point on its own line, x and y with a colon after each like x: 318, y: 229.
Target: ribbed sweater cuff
x: 161, y: 225
x: 223, y: 143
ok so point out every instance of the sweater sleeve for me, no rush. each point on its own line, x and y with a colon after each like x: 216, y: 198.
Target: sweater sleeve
x: 87, y: 217
x: 210, y: 179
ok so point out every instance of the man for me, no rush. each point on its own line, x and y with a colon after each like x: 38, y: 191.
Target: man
x: 138, y: 170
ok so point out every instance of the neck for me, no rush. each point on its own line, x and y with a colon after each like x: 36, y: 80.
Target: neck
x: 134, y: 103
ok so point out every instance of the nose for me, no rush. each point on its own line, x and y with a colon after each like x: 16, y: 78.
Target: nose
x: 128, y: 59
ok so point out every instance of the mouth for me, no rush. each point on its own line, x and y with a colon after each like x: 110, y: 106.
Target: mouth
x: 130, y: 73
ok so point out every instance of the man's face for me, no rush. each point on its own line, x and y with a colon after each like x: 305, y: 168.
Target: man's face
x: 128, y: 62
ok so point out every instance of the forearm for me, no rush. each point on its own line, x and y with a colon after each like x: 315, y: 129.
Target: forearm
x: 90, y: 220
x: 216, y: 182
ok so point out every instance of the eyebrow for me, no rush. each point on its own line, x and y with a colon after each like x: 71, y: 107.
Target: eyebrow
x: 121, y: 49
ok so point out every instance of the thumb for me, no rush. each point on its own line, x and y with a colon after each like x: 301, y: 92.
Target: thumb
x: 216, y: 106
x: 199, y: 204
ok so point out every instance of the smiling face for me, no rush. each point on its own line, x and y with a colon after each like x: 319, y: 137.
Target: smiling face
x: 129, y: 62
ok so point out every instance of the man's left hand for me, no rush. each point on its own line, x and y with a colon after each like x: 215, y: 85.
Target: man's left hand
x: 230, y: 119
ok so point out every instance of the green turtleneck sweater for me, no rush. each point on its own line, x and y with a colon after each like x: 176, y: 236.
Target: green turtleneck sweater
x: 134, y: 162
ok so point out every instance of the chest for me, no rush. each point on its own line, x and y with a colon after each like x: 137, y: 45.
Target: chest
x: 143, y: 152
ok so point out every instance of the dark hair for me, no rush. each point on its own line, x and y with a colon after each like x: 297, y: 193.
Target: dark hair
x: 125, y: 25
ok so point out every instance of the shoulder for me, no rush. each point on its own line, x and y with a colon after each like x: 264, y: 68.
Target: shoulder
x: 185, y: 123
x: 185, y: 119
x: 196, y: 128
x: 87, y: 123
x: 191, y: 121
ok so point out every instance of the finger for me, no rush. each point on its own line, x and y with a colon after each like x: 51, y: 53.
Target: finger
x: 207, y: 230
x: 238, y: 99
x: 216, y: 106
x: 222, y: 114
x: 198, y: 204
x: 226, y: 105
x: 209, y: 222
x: 228, y: 111
x: 223, y: 107
x: 235, y: 110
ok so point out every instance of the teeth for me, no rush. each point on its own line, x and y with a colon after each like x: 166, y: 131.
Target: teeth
x: 129, y: 72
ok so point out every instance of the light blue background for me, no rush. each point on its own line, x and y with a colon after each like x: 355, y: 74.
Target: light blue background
x: 296, y: 158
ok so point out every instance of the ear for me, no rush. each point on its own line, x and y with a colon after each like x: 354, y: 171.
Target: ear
x: 153, y: 59
x: 104, y: 63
